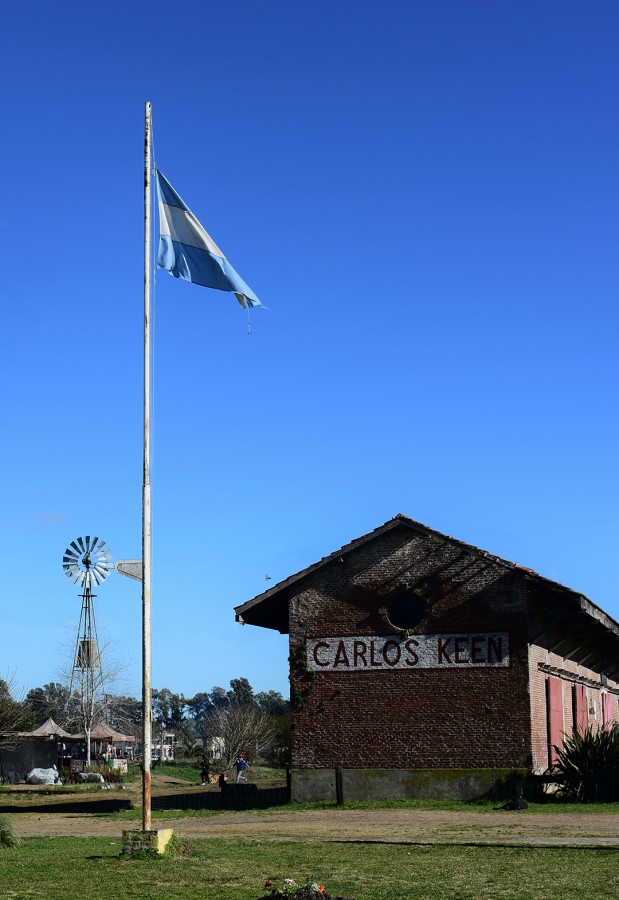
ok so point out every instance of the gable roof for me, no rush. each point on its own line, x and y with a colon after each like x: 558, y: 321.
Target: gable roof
x: 270, y: 608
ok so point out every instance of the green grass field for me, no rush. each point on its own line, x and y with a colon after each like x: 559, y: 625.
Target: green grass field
x: 92, y: 869
x: 51, y: 868
x: 190, y: 772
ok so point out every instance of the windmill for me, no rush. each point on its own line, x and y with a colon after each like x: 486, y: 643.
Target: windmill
x: 87, y: 562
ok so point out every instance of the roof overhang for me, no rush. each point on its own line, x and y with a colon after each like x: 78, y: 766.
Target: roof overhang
x: 270, y: 609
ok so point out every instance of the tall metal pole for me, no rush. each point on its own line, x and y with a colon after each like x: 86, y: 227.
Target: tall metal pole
x: 146, y: 536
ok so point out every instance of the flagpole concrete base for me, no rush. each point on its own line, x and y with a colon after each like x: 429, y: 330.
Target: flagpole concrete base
x: 135, y: 843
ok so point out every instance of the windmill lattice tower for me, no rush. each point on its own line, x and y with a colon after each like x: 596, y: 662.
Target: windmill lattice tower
x: 87, y: 562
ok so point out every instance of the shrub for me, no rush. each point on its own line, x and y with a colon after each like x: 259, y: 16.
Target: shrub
x: 588, y: 765
x: 110, y: 775
x: 8, y: 838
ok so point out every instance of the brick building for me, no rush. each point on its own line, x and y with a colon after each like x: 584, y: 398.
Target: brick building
x: 424, y: 666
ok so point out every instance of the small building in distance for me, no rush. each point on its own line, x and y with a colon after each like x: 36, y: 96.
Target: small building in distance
x: 22, y: 751
x: 422, y: 666
x: 164, y: 742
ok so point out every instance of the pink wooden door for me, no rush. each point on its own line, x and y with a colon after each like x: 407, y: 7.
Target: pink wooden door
x: 607, y: 710
x: 555, y: 717
x: 581, y: 718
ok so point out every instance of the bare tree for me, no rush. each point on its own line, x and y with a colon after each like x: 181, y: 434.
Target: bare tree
x: 241, y: 728
x: 91, y: 674
x: 13, y: 715
x: 124, y: 714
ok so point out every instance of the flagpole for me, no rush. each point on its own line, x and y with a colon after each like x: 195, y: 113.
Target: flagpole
x: 146, y: 523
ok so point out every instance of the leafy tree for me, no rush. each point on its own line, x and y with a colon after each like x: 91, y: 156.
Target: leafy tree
x: 49, y: 701
x: 169, y: 708
x: 272, y: 702
x: 13, y: 716
x: 219, y: 697
x: 199, y: 707
x: 241, y: 691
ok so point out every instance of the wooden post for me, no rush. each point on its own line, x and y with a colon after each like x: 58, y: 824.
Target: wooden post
x: 339, y: 786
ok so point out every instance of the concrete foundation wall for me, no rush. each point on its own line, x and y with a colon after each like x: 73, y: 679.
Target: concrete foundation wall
x: 313, y: 785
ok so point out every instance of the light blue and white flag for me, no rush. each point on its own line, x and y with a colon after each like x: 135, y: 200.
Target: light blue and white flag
x: 187, y: 251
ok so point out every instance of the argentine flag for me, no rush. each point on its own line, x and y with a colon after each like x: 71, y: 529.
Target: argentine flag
x: 187, y: 251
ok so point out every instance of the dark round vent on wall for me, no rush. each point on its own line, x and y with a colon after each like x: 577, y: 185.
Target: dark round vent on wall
x: 406, y: 610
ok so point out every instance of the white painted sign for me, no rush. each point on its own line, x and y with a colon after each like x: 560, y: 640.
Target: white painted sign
x: 423, y: 651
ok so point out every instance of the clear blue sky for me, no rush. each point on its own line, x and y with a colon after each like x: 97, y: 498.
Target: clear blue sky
x: 424, y: 194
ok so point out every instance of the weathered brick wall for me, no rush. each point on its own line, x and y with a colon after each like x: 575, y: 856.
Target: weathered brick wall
x: 539, y: 722
x: 452, y: 717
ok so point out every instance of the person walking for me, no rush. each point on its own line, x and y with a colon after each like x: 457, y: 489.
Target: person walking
x: 205, y: 774
x: 241, y: 765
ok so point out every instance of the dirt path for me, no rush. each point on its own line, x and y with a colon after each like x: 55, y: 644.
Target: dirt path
x: 392, y: 826
x: 37, y: 812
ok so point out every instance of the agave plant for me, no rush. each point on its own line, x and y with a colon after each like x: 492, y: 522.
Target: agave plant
x: 588, y: 765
